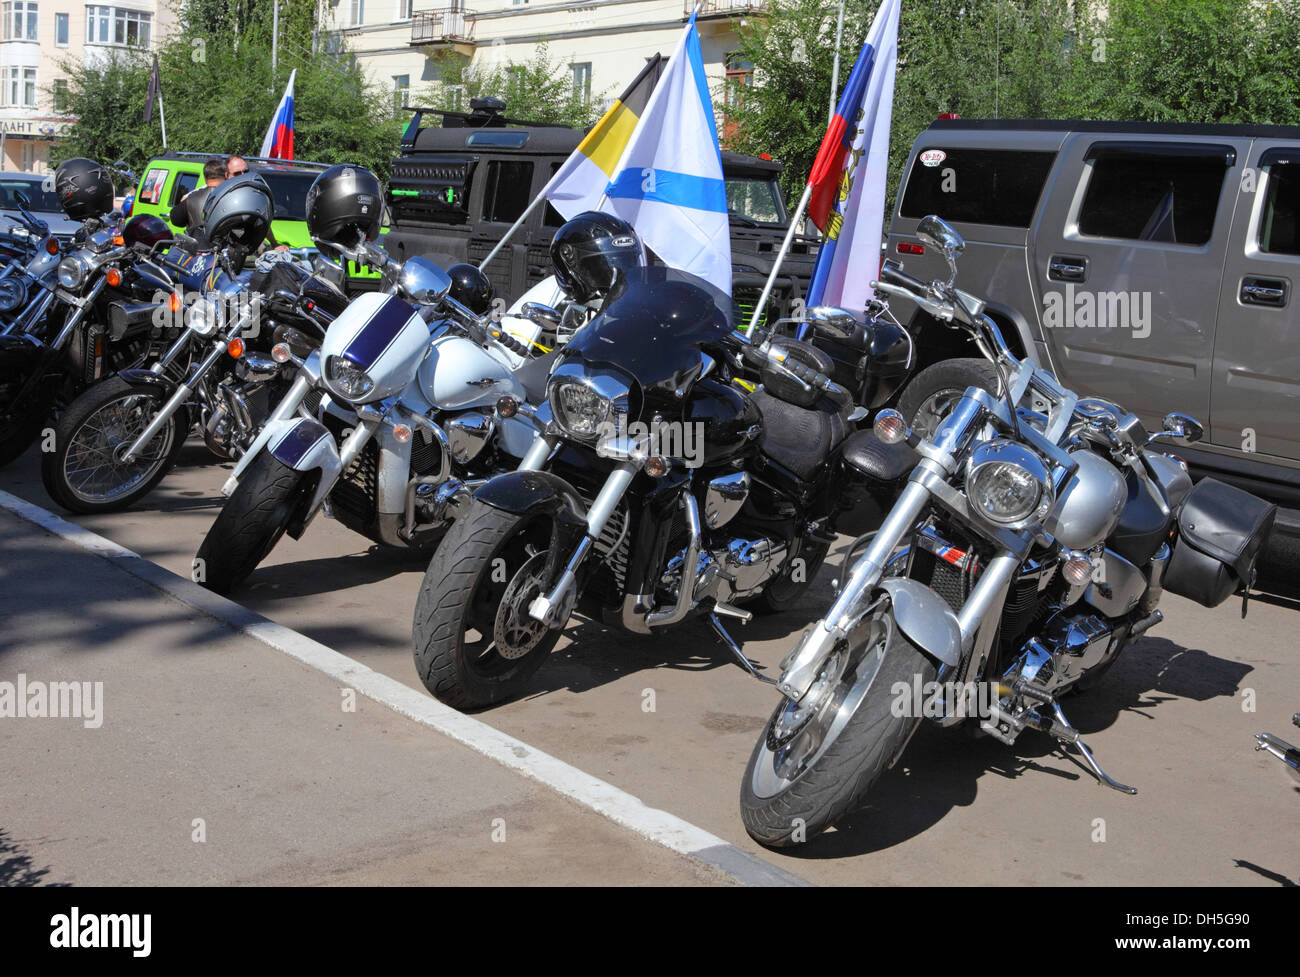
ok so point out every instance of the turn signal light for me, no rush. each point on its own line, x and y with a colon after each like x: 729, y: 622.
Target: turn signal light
x: 119, y: 240
x: 281, y: 353
x: 235, y: 348
x: 890, y: 427
x: 507, y: 407
x: 113, y: 277
x: 1077, y: 571
x: 52, y: 246
x: 402, y: 432
x: 174, y: 301
x: 656, y: 466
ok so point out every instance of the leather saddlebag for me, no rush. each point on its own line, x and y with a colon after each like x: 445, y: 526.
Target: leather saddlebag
x: 1221, y: 533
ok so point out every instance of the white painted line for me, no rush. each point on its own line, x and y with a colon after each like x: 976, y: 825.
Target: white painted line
x: 619, y: 806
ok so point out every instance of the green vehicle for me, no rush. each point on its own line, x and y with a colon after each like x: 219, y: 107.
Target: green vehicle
x: 167, y: 178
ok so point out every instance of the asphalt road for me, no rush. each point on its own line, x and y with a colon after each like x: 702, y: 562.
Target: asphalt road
x: 1172, y: 718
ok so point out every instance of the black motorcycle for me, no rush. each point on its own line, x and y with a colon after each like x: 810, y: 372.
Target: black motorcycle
x: 658, y: 487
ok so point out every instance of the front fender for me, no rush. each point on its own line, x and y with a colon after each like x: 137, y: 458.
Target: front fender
x: 925, y: 618
x: 147, y: 378
x: 302, y: 444
x: 521, y: 493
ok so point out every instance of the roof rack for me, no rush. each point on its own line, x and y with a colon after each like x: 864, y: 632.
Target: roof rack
x: 177, y: 154
x: 484, y: 113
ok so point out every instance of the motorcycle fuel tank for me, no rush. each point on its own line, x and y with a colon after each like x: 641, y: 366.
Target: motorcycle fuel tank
x: 726, y: 419
x: 380, y: 335
x: 458, y: 373
x: 1089, y: 506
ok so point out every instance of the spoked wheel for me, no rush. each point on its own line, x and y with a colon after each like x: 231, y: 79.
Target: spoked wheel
x: 87, y: 470
x: 930, y: 396
x: 816, y: 761
x: 474, y: 641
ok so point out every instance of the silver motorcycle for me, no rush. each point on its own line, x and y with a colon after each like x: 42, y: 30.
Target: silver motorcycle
x: 1030, y: 546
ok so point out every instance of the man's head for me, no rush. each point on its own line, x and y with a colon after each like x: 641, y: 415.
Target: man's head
x: 236, y: 166
x: 214, y: 171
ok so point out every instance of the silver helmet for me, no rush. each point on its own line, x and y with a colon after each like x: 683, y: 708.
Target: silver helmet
x: 238, y: 212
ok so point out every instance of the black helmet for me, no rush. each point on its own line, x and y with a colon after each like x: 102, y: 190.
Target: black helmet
x: 592, y: 252
x: 83, y: 188
x: 238, y: 212
x: 344, y: 202
x: 146, y: 229
x: 471, y: 288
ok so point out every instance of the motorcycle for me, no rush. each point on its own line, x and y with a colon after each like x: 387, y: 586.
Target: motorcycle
x: 79, y: 322
x: 387, y: 426
x: 122, y: 436
x: 1027, y: 550
x: 1280, y: 748
x: 657, y: 487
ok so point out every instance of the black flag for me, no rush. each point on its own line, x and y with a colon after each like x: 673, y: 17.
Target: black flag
x: 152, y: 92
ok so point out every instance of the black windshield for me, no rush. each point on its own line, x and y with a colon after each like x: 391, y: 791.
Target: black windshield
x: 655, y: 328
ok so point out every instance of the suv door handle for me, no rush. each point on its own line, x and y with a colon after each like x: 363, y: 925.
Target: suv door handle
x: 1264, y: 291
x: 1066, y: 268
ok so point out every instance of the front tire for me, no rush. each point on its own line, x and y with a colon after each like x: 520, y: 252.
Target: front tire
x: 250, y: 523
x: 803, y: 777
x: 84, y: 472
x: 931, y: 394
x: 473, y: 642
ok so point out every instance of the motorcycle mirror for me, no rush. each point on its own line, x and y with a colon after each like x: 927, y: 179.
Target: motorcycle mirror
x: 1183, y: 427
x: 546, y: 316
x: 935, y: 232
x: 424, y: 282
x: 834, y: 322
x: 22, y: 198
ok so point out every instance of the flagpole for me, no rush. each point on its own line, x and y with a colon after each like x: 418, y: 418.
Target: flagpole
x: 835, y: 71
x: 162, y: 116
x: 780, y: 257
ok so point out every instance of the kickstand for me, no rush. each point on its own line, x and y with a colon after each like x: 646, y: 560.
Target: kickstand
x: 1069, y: 734
x: 734, y: 648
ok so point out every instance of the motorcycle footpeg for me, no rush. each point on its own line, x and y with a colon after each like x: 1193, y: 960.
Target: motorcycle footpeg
x: 730, y: 610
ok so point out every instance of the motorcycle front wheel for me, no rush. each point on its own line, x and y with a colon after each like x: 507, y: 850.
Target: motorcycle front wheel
x: 473, y: 641
x: 811, y: 766
x: 86, y: 471
x: 250, y: 523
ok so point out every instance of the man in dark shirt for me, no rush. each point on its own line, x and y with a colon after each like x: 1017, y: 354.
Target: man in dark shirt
x: 188, y: 212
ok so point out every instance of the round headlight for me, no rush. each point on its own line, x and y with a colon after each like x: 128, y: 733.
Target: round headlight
x: 201, y: 317
x: 347, y: 379
x: 72, y: 272
x: 1008, y: 485
x: 13, y: 293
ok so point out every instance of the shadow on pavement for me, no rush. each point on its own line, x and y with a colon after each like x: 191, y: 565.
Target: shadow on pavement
x: 16, y: 868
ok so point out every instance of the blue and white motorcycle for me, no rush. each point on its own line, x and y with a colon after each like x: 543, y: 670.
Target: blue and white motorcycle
x: 389, y: 426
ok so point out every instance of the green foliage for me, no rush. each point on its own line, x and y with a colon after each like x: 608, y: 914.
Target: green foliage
x: 219, y: 93
x: 1149, y: 60
x: 540, y: 90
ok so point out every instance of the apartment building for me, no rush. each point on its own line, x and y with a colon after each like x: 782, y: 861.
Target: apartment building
x: 603, y: 43
x: 37, y: 39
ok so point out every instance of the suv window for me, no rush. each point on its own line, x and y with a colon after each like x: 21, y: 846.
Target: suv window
x: 978, y: 186
x: 185, y: 182
x: 1277, y: 231
x: 289, y: 192
x: 754, y: 199
x: 1165, y: 196
x: 508, y: 191
x: 39, y: 199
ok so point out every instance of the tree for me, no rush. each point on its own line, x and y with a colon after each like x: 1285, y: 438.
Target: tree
x: 539, y: 90
x: 220, y: 95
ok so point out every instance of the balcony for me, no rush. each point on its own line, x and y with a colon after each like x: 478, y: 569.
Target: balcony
x: 724, y: 8
x: 450, y: 27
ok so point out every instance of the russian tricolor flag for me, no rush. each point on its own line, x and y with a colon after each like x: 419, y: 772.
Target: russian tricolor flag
x: 849, y: 175
x: 278, y: 143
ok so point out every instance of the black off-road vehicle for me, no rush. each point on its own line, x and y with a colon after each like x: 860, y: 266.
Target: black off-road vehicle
x: 457, y: 187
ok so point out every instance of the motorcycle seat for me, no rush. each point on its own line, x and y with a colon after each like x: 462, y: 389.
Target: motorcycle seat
x: 799, y: 439
x: 867, y: 454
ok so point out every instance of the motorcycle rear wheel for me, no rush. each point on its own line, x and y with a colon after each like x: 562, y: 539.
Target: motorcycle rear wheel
x: 473, y: 641
x: 84, y: 473
x: 804, y: 776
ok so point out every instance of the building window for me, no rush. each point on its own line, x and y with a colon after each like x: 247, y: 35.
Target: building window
x: 582, y: 80
x: 60, y: 95
x: 358, y: 12
x: 401, y: 92
x: 61, y: 30
x: 117, y: 25
x: 404, y: 9
x: 740, y: 75
x: 19, y: 20
x: 20, y: 87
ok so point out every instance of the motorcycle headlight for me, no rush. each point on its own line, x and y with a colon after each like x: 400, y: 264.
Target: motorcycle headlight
x: 13, y: 293
x: 347, y: 379
x: 201, y: 317
x: 585, y: 403
x: 72, y: 272
x: 1008, y: 485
